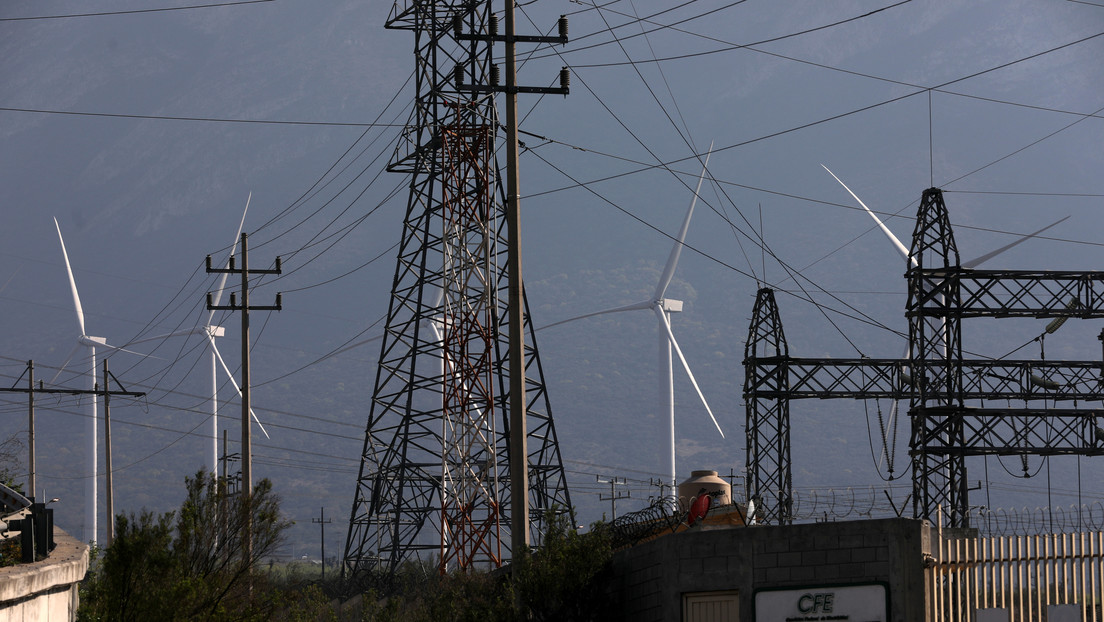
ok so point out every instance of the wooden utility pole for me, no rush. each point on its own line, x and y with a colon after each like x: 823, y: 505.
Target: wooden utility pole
x: 519, y: 449
x: 31, y: 390
x: 107, y: 393
x: 107, y: 456
x: 519, y: 452
x: 614, y: 482
x: 30, y: 429
x: 321, y: 522
x: 245, y: 308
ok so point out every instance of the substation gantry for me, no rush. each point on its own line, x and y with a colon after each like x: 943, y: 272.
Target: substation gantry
x: 935, y: 377
x: 434, y: 482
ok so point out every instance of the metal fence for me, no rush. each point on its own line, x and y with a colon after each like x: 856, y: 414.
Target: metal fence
x: 1026, y: 576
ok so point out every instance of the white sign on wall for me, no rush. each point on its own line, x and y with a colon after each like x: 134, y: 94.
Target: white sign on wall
x: 849, y: 603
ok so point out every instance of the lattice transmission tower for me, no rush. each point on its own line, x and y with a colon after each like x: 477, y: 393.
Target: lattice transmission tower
x: 434, y: 480
x: 945, y: 389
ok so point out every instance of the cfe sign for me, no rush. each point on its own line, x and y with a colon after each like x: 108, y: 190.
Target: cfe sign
x: 851, y: 603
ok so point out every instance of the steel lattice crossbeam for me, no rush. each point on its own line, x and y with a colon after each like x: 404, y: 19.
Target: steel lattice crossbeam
x: 826, y: 378
x: 1012, y: 293
x: 1009, y: 431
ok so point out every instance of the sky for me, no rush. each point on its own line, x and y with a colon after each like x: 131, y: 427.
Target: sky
x: 144, y: 131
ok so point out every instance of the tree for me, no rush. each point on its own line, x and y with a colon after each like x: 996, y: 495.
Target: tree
x: 189, y: 564
x: 568, y: 577
x: 11, y: 455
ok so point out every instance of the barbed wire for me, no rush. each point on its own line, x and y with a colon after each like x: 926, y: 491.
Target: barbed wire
x: 661, y: 516
x: 1028, y: 521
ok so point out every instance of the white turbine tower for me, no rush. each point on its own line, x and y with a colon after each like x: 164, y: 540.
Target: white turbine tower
x: 84, y: 340
x: 209, y: 332
x: 663, y: 308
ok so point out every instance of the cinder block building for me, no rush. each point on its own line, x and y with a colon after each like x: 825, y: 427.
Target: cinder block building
x: 859, y: 571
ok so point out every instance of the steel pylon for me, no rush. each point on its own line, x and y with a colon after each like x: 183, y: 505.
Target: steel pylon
x: 942, y: 386
x: 434, y: 478
x: 768, y: 416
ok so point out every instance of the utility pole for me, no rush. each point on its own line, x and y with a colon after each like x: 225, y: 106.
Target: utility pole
x: 519, y: 453
x: 671, y: 499
x: 614, y: 495
x: 31, y: 390
x: 245, y: 308
x: 31, y: 429
x: 107, y: 377
x: 107, y: 456
x: 321, y: 522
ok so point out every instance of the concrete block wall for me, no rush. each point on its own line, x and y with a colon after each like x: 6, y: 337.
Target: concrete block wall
x: 652, y: 577
x: 45, y: 590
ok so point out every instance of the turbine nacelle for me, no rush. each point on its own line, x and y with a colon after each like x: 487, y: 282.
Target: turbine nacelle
x: 670, y: 305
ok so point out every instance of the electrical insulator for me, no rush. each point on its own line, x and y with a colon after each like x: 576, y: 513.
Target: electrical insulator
x: 1056, y: 323
x: 565, y: 78
x: 563, y: 26
x: 493, y: 26
x: 457, y: 25
x: 458, y: 75
x: 494, y: 75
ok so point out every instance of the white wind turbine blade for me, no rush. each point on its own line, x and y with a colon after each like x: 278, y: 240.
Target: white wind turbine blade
x: 233, y: 249
x: 68, y: 360
x: 233, y: 382
x: 351, y: 347
x: 672, y: 260
x: 99, y: 342
x: 645, y: 304
x: 72, y: 281
x: 671, y: 336
x: 178, y: 333
x: 991, y: 254
x: 881, y: 225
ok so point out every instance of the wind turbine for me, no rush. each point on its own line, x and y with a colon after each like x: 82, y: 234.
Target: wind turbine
x: 663, y: 307
x: 84, y: 340
x: 210, y: 331
x: 904, y: 251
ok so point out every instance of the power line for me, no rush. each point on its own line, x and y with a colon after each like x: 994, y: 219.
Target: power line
x: 731, y: 47
x: 119, y: 115
x: 751, y: 47
x: 134, y: 11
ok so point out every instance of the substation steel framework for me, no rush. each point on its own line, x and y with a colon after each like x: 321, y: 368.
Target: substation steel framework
x: 434, y: 481
x: 938, y: 381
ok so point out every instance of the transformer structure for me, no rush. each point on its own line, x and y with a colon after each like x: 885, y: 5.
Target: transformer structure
x: 936, y: 378
x: 434, y: 481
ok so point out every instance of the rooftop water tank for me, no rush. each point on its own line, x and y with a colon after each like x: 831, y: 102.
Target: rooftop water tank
x: 710, y: 482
